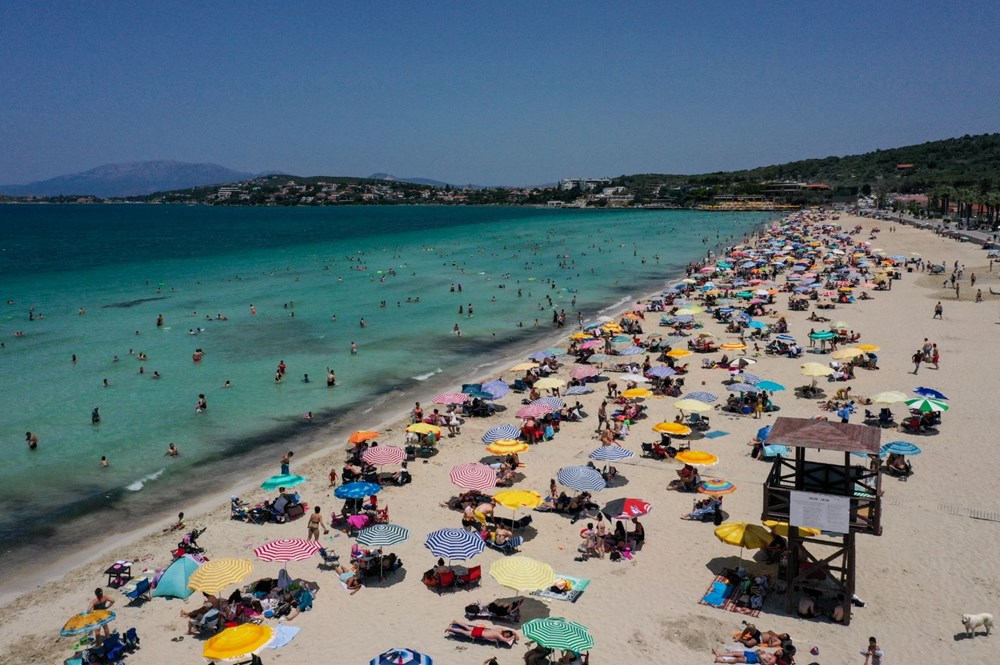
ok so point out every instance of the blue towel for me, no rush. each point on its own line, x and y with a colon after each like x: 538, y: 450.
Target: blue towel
x: 715, y: 435
x: 283, y: 634
x: 717, y: 596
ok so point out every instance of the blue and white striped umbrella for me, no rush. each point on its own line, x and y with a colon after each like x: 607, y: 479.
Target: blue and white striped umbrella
x: 496, y: 388
x: 900, y: 448
x: 703, y: 396
x: 752, y: 379
x: 581, y: 478
x: 402, y: 657
x: 541, y: 355
x: 501, y: 432
x: 455, y: 543
x: 681, y: 318
x: 632, y: 351
x: 611, y: 453
x: 357, y: 490
x: 578, y: 390
x: 787, y: 339
x: 741, y: 388
x: 661, y: 371
x: 600, y: 358
x: 383, y: 535
x: 554, y: 402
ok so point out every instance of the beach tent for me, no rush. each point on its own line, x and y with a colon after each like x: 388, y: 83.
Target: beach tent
x: 174, y: 581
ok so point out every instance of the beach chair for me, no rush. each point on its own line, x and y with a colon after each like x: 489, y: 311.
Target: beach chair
x: 111, y: 651
x: 471, y: 578
x: 209, y: 624
x: 519, y: 386
x: 131, y: 640
x: 142, y: 592
x: 446, y: 580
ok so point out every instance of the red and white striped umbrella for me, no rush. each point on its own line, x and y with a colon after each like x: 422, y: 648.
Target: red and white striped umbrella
x: 451, y: 398
x: 535, y: 410
x: 287, y: 549
x: 584, y: 372
x: 379, y: 455
x: 473, y: 476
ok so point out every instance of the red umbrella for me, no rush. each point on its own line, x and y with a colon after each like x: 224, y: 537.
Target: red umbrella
x: 473, y: 476
x: 534, y: 411
x: 584, y: 371
x: 379, y: 455
x: 451, y: 398
x: 287, y: 549
x: 626, y: 509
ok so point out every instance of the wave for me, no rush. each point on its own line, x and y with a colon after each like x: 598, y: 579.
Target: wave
x: 616, y: 306
x: 424, y: 377
x: 139, y: 484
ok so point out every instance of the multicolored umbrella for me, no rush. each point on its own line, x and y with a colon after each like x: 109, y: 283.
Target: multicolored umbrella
x: 238, y: 642
x: 522, y: 573
x: 85, y: 622
x: 501, y: 432
x: 626, y: 509
x: 473, y: 476
x: 383, y: 535
x: 581, y: 478
x: 215, y: 575
x: 715, y: 487
x: 402, y: 657
x: 611, y: 453
x: 455, y: 543
x: 381, y: 455
x: 287, y: 549
x: 357, y: 490
x: 558, y: 633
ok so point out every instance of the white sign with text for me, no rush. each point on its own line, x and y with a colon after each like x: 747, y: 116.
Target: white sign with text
x: 820, y: 511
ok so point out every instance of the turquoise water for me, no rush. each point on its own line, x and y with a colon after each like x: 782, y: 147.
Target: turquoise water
x: 125, y: 265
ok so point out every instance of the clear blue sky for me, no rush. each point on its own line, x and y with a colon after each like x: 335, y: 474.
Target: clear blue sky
x: 489, y: 93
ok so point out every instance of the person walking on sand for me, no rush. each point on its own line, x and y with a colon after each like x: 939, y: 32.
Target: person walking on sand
x: 938, y: 310
x: 935, y: 356
x: 315, y: 524
x: 917, y: 358
x: 873, y: 654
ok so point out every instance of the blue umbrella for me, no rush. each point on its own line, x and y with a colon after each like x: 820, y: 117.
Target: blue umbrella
x: 760, y: 325
x: 541, y: 355
x: 578, y: 390
x: 555, y: 351
x: 900, y: 448
x: 929, y: 392
x: 681, y: 318
x: 741, y: 388
x: 703, y: 396
x: 763, y: 433
x: 357, y: 490
x: 501, y: 432
x: 581, y: 478
x: 788, y: 339
x: 554, y: 402
x: 482, y: 394
x: 611, y: 453
x: 455, y: 543
x: 469, y: 388
x: 661, y: 371
x: 282, y: 480
x: 752, y: 379
x: 402, y: 657
x: 632, y: 351
x: 496, y: 388
x: 769, y: 386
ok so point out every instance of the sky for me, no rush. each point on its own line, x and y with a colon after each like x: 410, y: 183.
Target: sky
x: 508, y: 93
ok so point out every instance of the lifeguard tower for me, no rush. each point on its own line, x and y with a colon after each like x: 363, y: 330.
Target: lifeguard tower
x: 839, y: 499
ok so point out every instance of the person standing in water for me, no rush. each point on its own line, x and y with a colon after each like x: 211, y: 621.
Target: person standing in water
x: 95, y: 415
x: 331, y: 378
x: 354, y: 348
x: 32, y: 440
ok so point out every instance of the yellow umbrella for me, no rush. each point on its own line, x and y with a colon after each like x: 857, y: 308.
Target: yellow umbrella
x: 217, y: 574
x: 869, y: 347
x: 890, y: 397
x: 781, y: 528
x: 424, y: 428
x: 238, y: 642
x: 522, y: 573
x: 691, y: 309
x: 676, y: 429
x: 678, y: 353
x: 632, y: 393
x: 694, y: 405
x: 549, y: 382
x: 85, y: 622
x: 815, y: 369
x: 507, y: 446
x: 847, y: 354
x: 515, y: 499
x: 741, y: 534
x: 696, y: 458
x: 523, y: 367
x: 733, y: 346
x: 580, y: 336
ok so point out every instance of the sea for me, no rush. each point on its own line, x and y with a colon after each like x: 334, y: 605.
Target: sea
x: 83, y: 286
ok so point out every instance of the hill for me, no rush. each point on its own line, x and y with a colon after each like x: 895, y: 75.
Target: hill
x: 129, y: 179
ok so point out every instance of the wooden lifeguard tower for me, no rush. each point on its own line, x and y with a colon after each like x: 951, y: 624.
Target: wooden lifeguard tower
x: 840, y: 499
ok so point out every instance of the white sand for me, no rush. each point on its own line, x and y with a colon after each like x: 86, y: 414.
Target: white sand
x: 933, y: 563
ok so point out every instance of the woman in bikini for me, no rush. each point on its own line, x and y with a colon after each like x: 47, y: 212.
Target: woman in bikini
x: 315, y: 524
x: 482, y: 632
x: 101, y: 602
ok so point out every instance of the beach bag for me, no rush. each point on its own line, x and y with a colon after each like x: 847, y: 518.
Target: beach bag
x: 717, y: 517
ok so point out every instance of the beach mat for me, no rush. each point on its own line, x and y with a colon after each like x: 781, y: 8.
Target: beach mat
x: 579, y: 586
x: 716, y: 434
x: 721, y: 594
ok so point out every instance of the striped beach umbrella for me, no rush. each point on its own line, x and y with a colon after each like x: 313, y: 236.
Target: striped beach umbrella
x: 85, y: 622
x: 496, y: 388
x: 600, y: 358
x: 357, y: 490
x: 383, y: 535
x: 558, y: 633
x: 380, y: 455
x: 752, y: 379
x: 702, y: 396
x: 900, y: 448
x: 554, y: 402
x: 927, y: 404
x: 581, y: 478
x: 473, y: 476
x: 632, y: 351
x: 402, y: 657
x: 215, y: 575
x: 578, y: 390
x: 611, y: 453
x: 522, y: 573
x: 661, y: 371
x: 716, y: 487
x: 287, y: 549
x: 584, y: 372
x: 451, y: 398
x: 787, y: 339
x: 534, y: 411
x: 501, y: 432
x: 741, y: 388
x: 454, y: 543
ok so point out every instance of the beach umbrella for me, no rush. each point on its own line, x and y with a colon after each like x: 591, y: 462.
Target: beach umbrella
x: 733, y: 346
x: 577, y: 390
x: 361, y: 436
x: 471, y: 388
x: 927, y: 404
x: 455, y: 543
x: 85, y: 622
x: 522, y: 573
x: 716, y: 487
x: 677, y: 429
x: 611, y: 453
x: 743, y: 535
x: 890, y: 397
x: 554, y: 402
x: 580, y: 335
x: 287, y: 549
x: 584, y: 372
x: 635, y: 393
x: 899, y: 448
x: 847, y: 353
x: 548, y: 383
x: 381, y: 455
x: 515, y: 499
x: 507, y: 446
x: 473, y: 476
x: 541, y: 355
x: 480, y: 395
x: 424, y: 428
x: 661, y: 371
x: 770, y: 386
x: 696, y: 458
x: 496, y: 388
x: 815, y: 369
x: 402, y: 657
x: 501, y: 432
x: 581, y: 478
x: 600, y: 358
x: 929, y: 392
x: 694, y: 405
x: 555, y: 351
x: 534, y: 411
x: 590, y: 344
x: 632, y: 351
x: 678, y: 353
x: 747, y: 377
x: 759, y: 325
x: 626, y: 509
x: 822, y: 334
x: 763, y: 433
x: 787, y: 339
x: 357, y: 490
x: 782, y: 528
x: 238, y: 642
x: 523, y: 367
x: 867, y: 348
x: 215, y: 575
x: 558, y: 633
x: 451, y: 398
x: 282, y: 480
x: 741, y: 388
x: 702, y: 396
x: 383, y: 535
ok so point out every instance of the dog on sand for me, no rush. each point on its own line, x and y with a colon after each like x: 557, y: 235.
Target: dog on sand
x: 973, y: 621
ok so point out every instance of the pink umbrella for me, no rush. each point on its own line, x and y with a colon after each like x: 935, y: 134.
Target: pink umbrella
x: 584, y: 371
x: 534, y: 411
x: 591, y: 344
x: 473, y: 476
x: 379, y: 455
x: 451, y: 398
x: 287, y: 549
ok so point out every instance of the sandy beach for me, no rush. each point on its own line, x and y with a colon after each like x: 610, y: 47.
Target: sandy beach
x: 933, y: 563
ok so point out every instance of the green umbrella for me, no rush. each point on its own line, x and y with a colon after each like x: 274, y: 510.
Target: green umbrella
x: 282, y: 480
x: 557, y: 633
x: 822, y: 334
x: 926, y: 404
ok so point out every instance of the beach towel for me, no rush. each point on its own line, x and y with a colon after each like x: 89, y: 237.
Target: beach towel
x: 579, y: 585
x: 283, y: 634
x: 716, y: 434
x: 717, y: 594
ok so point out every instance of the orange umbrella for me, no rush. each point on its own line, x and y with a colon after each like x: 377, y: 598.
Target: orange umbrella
x: 361, y: 436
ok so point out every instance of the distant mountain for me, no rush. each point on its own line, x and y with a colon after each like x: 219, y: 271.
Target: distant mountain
x: 129, y: 179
